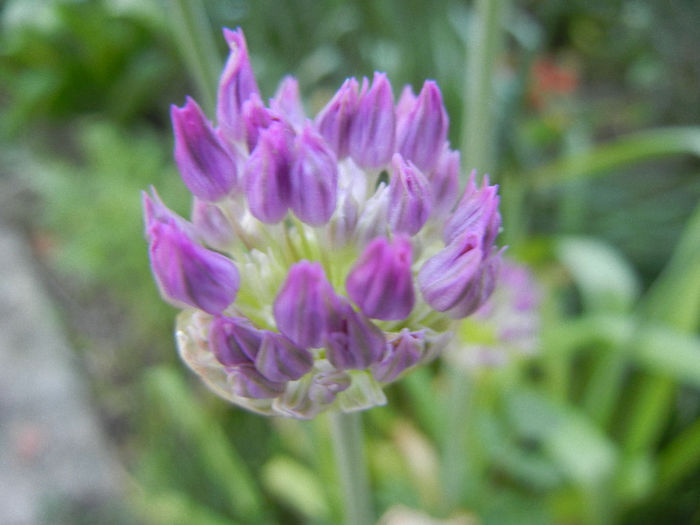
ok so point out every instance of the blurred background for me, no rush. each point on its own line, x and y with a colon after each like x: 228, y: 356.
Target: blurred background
x: 587, y: 113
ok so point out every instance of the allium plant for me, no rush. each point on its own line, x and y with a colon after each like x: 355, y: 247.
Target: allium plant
x: 324, y: 257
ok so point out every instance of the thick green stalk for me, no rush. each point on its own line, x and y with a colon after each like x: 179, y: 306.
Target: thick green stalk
x: 479, y: 133
x: 346, y: 433
x: 193, y: 35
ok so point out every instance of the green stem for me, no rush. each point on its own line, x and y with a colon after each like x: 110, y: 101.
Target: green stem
x: 346, y: 433
x: 478, y: 134
x: 194, y: 37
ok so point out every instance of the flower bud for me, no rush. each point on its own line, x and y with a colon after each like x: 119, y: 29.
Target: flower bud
x: 189, y: 273
x: 303, y: 303
x: 422, y: 131
x: 313, y: 179
x: 476, y: 213
x: 281, y: 360
x: 236, y: 85
x: 246, y: 381
x: 234, y: 340
x: 479, y: 289
x: 353, y: 341
x: 256, y: 118
x: 444, y: 182
x: 287, y: 102
x: 267, y: 175
x: 211, y: 225
x: 333, y: 122
x: 447, y: 278
x: 402, y: 352
x: 380, y: 282
x: 372, y: 131
x: 410, y: 198
x: 206, y: 166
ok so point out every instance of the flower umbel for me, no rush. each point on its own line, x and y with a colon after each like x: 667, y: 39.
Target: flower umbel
x: 325, y: 256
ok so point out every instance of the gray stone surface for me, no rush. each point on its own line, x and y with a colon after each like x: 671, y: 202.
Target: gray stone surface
x: 53, y: 456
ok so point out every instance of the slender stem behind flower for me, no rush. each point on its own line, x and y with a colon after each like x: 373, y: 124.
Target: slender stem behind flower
x: 346, y: 433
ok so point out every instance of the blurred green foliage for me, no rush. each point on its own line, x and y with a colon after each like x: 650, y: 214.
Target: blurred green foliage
x: 600, y: 427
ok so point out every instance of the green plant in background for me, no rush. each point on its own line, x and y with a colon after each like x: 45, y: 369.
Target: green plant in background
x: 601, y: 425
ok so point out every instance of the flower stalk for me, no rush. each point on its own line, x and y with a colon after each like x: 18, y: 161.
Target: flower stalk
x: 348, y: 446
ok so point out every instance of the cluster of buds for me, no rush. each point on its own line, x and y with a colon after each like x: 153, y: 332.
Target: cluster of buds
x: 506, y: 327
x: 324, y: 257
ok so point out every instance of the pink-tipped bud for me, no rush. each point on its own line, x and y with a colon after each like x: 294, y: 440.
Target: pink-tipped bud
x: 303, y: 304
x: 333, y: 122
x: 410, y: 197
x: 353, y: 341
x: 281, y: 360
x: 381, y: 282
x: 313, y: 179
x: 422, y: 131
x: 267, y: 183
x: 236, y: 85
x: 372, y: 131
x: 287, y: 102
x: 206, y: 166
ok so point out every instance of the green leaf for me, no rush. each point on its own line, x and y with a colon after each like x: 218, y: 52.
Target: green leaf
x: 297, y: 486
x: 624, y: 151
x: 222, y: 461
x: 580, y: 450
x: 605, y: 279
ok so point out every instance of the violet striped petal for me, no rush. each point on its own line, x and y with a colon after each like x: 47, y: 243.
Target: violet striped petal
x: 410, y: 197
x: 236, y: 85
x: 206, y: 165
x: 281, y: 360
x: 381, y: 282
x: 373, y: 128
x: 303, y: 303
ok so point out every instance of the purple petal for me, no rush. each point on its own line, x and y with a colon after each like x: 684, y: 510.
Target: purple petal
x: 246, y: 381
x: 267, y: 183
x: 287, y: 102
x: 373, y: 128
x: 281, y: 360
x: 333, y: 122
x: 353, y: 341
x: 211, y: 225
x: 303, y: 304
x: 402, y: 352
x: 314, y: 179
x: 236, y: 85
x: 189, y: 273
x: 234, y: 340
x: 448, y: 277
x: 381, y: 282
x: 422, y: 132
x: 476, y: 213
x: 410, y: 197
x: 444, y: 182
x: 206, y: 165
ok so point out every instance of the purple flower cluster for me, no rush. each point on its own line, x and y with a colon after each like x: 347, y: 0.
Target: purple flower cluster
x: 324, y: 257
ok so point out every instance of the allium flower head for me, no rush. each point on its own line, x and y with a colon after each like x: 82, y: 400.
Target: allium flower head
x: 326, y: 256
